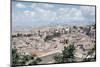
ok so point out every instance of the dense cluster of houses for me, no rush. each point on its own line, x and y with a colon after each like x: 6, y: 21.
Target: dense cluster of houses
x: 49, y: 39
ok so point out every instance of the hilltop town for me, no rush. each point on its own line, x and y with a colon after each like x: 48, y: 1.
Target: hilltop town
x: 46, y: 42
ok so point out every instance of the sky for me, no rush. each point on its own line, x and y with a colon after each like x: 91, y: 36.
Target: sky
x: 32, y: 14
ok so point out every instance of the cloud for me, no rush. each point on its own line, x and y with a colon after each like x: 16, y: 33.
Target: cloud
x: 41, y: 5
x: 29, y: 13
x: 50, y: 13
x: 88, y: 12
x: 20, y: 5
x: 33, y: 5
x: 47, y: 5
x: 45, y: 12
x: 26, y: 13
x: 70, y: 14
x: 76, y: 14
x: 23, y: 20
x: 45, y: 15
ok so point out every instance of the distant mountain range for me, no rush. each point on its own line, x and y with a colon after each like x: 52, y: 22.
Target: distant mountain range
x: 15, y: 28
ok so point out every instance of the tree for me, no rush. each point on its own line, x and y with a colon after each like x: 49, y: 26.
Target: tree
x: 56, y: 34
x: 66, y: 56
x: 58, y: 58
x: 90, y: 53
x: 50, y: 37
x: 74, y: 27
x: 81, y: 27
x: 68, y: 53
x: 15, y: 57
x: 88, y: 31
x: 18, y: 59
x: 35, y: 61
x: 30, y: 60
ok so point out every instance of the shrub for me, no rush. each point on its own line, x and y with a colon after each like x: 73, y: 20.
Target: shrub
x: 66, y: 56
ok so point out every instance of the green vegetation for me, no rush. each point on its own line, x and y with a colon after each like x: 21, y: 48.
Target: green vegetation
x: 50, y: 37
x: 67, y: 55
x: 81, y: 27
x: 35, y: 61
x: 90, y: 53
x: 74, y: 27
x: 58, y: 58
x: 56, y: 34
x: 18, y: 59
x: 15, y: 56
